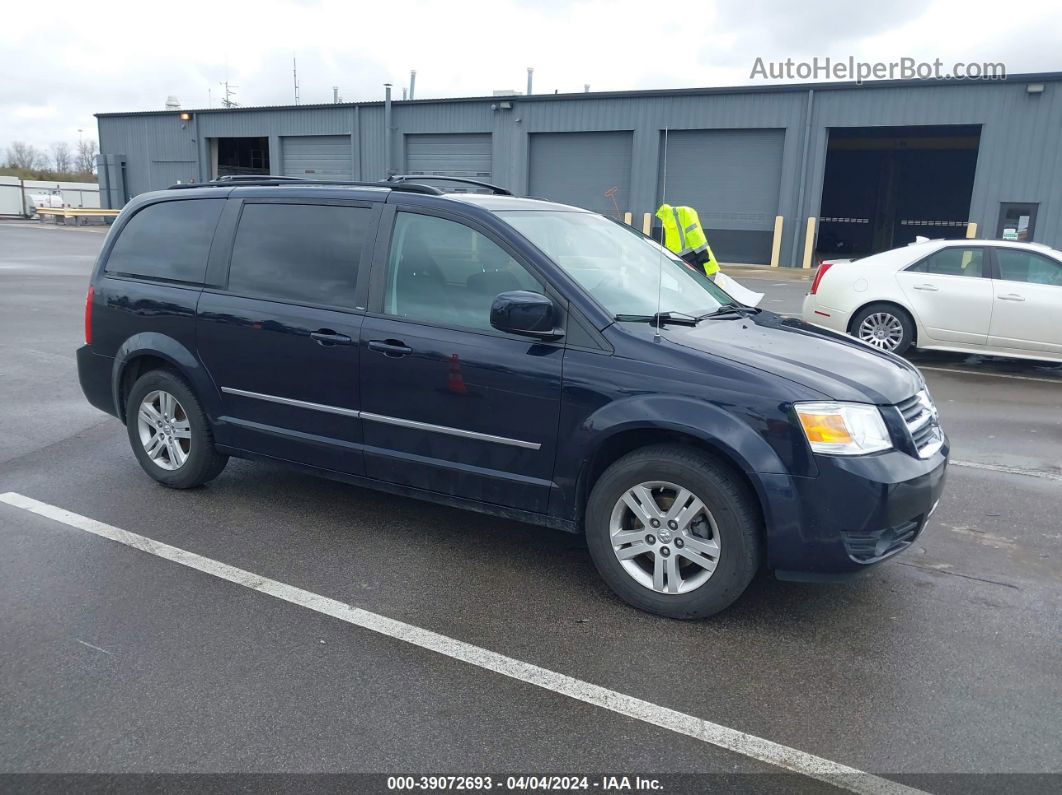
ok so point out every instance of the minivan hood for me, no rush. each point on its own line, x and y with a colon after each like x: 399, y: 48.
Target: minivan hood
x: 836, y: 365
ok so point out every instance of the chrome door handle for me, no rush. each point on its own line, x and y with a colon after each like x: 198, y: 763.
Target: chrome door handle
x: 327, y: 337
x: 928, y: 287
x: 1011, y: 297
x: 390, y: 347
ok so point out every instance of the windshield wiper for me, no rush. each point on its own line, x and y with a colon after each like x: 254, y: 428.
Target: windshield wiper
x: 731, y: 310
x: 662, y: 318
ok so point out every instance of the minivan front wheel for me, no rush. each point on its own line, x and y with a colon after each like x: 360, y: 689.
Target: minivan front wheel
x: 674, y: 531
x: 169, y: 432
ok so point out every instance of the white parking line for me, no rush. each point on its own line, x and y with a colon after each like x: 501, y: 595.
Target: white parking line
x: 707, y: 732
x: 994, y: 375
x: 1032, y: 473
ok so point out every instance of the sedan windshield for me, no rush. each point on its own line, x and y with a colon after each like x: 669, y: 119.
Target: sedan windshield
x: 630, y: 275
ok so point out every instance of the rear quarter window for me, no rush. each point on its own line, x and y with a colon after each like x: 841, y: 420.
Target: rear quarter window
x: 169, y: 240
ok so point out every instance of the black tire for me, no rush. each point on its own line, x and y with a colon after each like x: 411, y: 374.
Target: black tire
x: 727, y: 497
x: 891, y: 310
x: 203, y: 462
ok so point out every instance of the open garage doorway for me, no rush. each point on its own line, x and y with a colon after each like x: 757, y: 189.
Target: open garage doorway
x: 235, y: 156
x: 885, y: 186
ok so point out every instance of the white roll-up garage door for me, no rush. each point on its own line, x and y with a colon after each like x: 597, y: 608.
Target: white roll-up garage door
x: 732, y: 178
x: 317, y: 156
x: 586, y: 169
x: 450, y: 154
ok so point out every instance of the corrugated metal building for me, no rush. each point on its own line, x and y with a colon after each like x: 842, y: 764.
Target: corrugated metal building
x: 877, y: 164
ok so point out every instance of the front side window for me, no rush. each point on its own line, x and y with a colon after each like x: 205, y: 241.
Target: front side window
x: 1016, y: 265
x: 628, y: 274
x: 448, y: 274
x: 303, y: 253
x: 169, y: 240
x: 953, y: 261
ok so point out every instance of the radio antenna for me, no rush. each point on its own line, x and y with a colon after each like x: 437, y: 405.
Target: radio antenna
x: 663, y: 242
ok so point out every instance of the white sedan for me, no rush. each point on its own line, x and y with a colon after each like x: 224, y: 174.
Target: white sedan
x: 972, y: 296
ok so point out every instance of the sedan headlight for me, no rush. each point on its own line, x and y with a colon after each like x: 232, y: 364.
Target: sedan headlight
x: 843, y: 428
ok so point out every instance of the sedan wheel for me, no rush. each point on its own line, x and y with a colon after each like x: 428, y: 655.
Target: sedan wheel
x: 664, y: 537
x: 882, y: 330
x: 164, y: 430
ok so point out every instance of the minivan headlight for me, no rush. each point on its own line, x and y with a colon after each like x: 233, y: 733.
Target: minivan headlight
x: 843, y: 428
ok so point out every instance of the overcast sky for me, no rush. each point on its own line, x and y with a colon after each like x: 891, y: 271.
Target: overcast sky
x: 61, y: 64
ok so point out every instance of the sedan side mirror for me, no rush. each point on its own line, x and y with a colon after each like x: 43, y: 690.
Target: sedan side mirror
x: 527, y: 314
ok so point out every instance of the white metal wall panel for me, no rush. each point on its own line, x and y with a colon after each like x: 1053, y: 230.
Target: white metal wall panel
x: 317, y: 156
x: 586, y: 169
x: 450, y: 154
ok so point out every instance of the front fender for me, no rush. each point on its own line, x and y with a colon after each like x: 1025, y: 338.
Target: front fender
x: 176, y: 355
x: 728, y: 433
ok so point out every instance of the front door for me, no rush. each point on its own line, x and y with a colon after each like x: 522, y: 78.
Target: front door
x: 1028, y: 293
x: 281, y: 340
x: 449, y: 404
x: 951, y: 294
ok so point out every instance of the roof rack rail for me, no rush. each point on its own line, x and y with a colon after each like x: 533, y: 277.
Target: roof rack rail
x: 250, y: 180
x: 252, y: 177
x: 497, y: 190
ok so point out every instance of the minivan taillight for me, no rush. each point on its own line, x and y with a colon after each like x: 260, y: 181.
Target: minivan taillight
x: 88, y: 315
x: 825, y: 266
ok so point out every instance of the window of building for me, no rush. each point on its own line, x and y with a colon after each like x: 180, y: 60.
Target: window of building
x: 303, y: 253
x: 169, y: 240
x: 445, y: 273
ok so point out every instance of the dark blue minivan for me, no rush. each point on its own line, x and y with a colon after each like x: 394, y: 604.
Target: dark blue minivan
x: 511, y: 356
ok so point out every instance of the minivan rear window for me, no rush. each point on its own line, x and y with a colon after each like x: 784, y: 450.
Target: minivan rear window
x: 303, y: 253
x: 169, y: 240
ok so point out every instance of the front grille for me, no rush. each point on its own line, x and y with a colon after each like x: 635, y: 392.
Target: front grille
x: 920, y: 416
x: 868, y: 547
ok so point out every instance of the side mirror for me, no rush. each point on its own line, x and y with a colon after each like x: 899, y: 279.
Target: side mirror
x: 527, y: 314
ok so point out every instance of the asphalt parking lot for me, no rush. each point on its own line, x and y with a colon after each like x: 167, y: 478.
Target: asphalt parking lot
x: 946, y: 660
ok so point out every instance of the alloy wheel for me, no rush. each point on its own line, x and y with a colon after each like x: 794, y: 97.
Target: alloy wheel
x: 882, y: 330
x: 664, y: 537
x: 164, y: 430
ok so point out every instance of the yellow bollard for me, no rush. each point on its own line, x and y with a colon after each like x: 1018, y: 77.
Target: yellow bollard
x: 809, y: 243
x: 628, y: 218
x: 647, y: 224
x: 971, y: 230
x: 776, y: 246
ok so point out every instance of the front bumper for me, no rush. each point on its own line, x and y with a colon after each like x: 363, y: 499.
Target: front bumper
x: 856, y: 512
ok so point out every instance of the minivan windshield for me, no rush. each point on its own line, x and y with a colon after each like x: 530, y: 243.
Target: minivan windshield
x: 622, y: 269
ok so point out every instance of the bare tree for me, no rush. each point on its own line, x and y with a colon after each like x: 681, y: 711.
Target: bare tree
x: 23, y: 155
x: 85, y: 159
x: 62, y: 158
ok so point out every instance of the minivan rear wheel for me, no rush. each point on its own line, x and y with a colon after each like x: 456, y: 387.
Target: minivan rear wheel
x: 169, y: 432
x: 674, y: 531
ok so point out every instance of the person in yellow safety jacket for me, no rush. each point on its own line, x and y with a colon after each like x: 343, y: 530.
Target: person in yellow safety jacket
x: 684, y: 236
